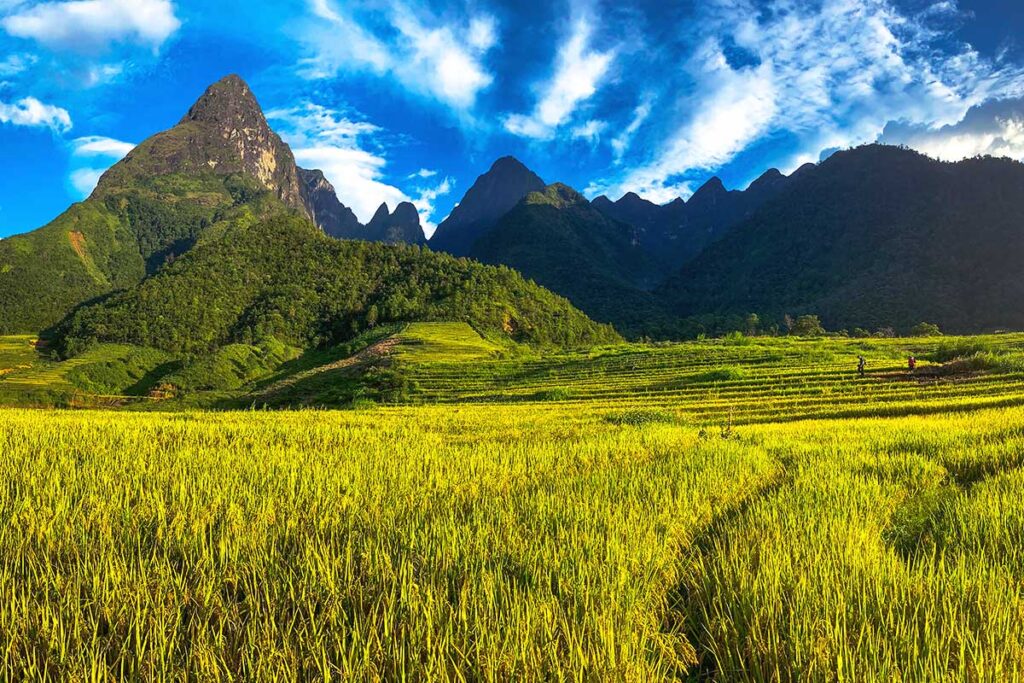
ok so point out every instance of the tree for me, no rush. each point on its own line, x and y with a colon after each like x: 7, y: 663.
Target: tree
x: 807, y: 326
x: 753, y: 324
x: 787, y: 322
x: 926, y: 330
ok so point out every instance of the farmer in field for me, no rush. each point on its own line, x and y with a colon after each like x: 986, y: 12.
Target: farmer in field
x: 861, y: 364
x: 912, y: 364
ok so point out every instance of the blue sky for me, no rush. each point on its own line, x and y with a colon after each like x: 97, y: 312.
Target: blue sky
x: 398, y: 99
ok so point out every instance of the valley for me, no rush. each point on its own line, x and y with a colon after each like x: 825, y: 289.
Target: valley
x: 761, y: 434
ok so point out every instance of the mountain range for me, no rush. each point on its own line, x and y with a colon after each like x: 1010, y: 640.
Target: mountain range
x: 209, y: 234
x: 872, y: 237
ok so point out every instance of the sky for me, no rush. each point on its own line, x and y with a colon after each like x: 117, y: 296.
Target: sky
x: 401, y: 100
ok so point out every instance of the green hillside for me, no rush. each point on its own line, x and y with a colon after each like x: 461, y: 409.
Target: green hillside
x: 558, y: 239
x: 281, y: 278
x: 875, y: 236
x: 149, y: 208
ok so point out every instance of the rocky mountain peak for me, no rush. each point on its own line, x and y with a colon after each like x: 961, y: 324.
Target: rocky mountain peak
x: 406, y: 213
x: 492, y: 196
x: 401, y: 226
x: 329, y: 214
x: 380, y: 215
x: 710, y: 191
x: 224, y: 133
x: 228, y: 103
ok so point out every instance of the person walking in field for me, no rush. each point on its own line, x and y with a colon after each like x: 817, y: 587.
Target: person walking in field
x: 861, y: 364
x: 912, y: 364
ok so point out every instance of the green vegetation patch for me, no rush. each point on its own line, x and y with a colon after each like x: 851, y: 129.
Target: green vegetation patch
x: 121, y: 370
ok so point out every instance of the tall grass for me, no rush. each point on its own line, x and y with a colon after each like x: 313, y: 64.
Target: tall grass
x: 511, y: 543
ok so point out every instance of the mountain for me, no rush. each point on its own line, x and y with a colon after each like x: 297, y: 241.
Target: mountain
x: 676, y: 232
x: 558, y: 239
x: 493, y: 195
x: 402, y: 226
x: 875, y: 236
x: 208, y: 234
x: 329, y: 214
x: 149, y: 208
x: 224, y: 133
x: 281, y: 280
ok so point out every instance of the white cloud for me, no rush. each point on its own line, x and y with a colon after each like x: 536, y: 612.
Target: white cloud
x: 99, y: 146
x: 423, y: 173
x: 28, y: 111
x: 84, y: 180
x: 590, y: 131
x: 16, y: 64
x: 445, y: 62
x: 425, y: 203
x: 577, y: 75
x: 96, y: 147
x: 622, y: 141
x: 332, y: 142
x: 91, y: 25
x: 993, y: 129
x: 101, y: 74
x: 482, y: 34
x: 822, y: 73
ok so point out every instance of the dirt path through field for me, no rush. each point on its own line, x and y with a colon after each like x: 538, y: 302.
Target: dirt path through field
x: 371, y: 353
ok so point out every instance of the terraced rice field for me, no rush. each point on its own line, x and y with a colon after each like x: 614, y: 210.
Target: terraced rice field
x: 636, y: 513
x: 749, y: 380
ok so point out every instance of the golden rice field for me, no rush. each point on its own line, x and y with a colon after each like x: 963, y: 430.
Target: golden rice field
x: 599, y: 524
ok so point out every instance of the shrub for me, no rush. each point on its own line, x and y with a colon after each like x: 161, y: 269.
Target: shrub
x: 926, y: 330
x: 808, y: 326
x: 736, y: 338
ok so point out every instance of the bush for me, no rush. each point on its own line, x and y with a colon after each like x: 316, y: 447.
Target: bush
x: 962, y: 348
x: 926, y: 330
x: 808, y: 326
x: 736, y: 339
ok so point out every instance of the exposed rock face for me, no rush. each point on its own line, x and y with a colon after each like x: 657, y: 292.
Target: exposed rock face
x: 401, y: 226
x: 491, y: 197
x: 330, y: 215
x: 225, y: 133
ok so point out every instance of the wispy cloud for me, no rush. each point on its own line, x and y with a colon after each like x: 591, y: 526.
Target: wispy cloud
x: 822, y: 73
x: 103, y: 152
x: 577, y: 75
x: 99, y: 146
x: 28, y: 111
x: 441, y: 60
x: 425, y: 202
x: 622, y: 141
x: 590, y: 131
x: 88, y: 26
x: 15, y: 64
x: 329, y: 140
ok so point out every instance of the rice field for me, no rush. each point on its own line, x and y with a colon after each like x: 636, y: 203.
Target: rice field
x: 745, y: 510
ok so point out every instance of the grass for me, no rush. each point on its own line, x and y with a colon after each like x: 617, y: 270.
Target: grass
x: 699, y: 511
